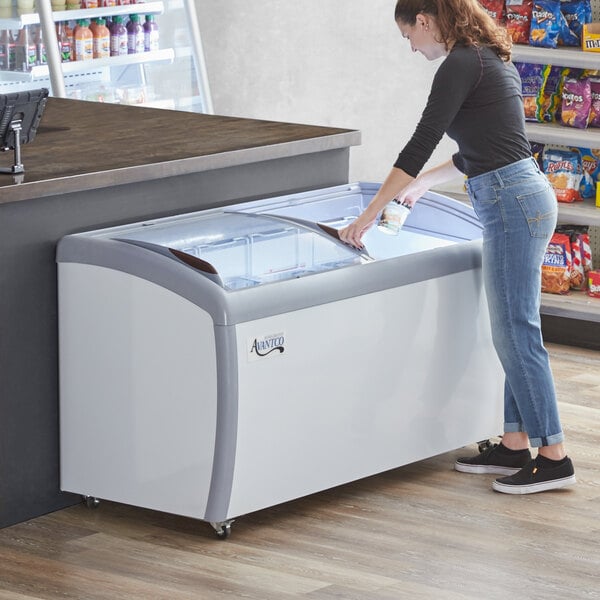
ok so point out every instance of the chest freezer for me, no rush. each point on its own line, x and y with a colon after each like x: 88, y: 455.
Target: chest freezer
x: 223, y: 361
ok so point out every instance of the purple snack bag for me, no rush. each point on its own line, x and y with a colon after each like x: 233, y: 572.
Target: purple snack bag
x: 576, y: 102
x: 595, y: 108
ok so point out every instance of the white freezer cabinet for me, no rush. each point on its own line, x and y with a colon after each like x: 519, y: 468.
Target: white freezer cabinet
x: 220, y: 362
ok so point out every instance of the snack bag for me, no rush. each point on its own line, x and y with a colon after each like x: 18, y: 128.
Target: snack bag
x: 576, y: 13
x: 494, y: 8
x: 576, y: 102
x: 550, y: 97
x: 537, y: 151
x: 532, y: 80
x: 578, y: 276
x: 518, y: 20
x: 556, y: 267
x: 590, y: 163
x: 594, y: 120
x: 594, y: 284
x: 564, y: 172
x: 546, y: 20
x: 586, y: 250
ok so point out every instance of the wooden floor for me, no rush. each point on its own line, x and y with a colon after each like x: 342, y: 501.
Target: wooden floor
x: 418, y: 532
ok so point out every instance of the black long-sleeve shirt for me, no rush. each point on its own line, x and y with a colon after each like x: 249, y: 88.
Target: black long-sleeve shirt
x: 476, y: 99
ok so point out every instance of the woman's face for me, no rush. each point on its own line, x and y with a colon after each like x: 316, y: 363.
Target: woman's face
x: 424, y: 36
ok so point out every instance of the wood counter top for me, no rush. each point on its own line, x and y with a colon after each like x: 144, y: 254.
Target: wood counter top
x: 88, y: 145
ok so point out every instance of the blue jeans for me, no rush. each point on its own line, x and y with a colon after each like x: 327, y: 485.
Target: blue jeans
x: 517, y: 208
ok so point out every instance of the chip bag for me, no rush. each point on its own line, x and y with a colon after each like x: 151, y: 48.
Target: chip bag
x: 532, y: 80
x: 518, y: 19
x: 576, y: 102
x: 550, y: 97
x: 590, y: 163
x: 564, y: 172
x: 494, y: 8
x: 546, y: 20
x: 556, y: 267
x: 576, y: 13
x: 594, y: 119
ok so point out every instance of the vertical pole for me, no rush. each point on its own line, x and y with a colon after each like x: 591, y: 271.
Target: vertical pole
x: 198, y: 54
x: 57, y: 82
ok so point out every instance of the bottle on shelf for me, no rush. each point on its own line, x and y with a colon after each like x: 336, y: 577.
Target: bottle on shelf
x: 25, y: 51
x: 84, y: 41
x: 135, y: 35
x: 150, y: 34
x: 118, y: 37
x: 101, y: 40
x: 7, y: 51
x: 40, y: 47
x: 64, y: 41
x: 73, y: 4
x: 89, y: 3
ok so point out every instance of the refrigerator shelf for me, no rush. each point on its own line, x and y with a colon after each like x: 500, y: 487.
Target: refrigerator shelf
x: 41, y: 71
x: 19, y: 21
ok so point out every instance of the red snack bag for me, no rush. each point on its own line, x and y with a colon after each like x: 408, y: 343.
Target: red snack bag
x: 556, y: 268
x: 494, y: 8
x: 586, y: 251
x: 594, y: 284
x: 518, y: 20
x: 578, y: 280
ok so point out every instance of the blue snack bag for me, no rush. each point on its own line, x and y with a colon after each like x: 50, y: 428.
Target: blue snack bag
x: 546, y: 21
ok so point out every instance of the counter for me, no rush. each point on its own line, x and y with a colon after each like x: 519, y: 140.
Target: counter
x: 98, y: 165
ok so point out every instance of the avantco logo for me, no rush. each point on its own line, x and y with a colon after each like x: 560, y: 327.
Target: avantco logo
x: 272, y: 344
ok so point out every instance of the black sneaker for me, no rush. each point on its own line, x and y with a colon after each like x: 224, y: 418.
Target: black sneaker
x: 494, y: 459
x: 534, y: 478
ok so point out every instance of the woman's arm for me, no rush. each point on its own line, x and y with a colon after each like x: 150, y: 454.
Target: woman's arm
x: 397, y: 184
x: 396, y: 181
x: 426, y: 180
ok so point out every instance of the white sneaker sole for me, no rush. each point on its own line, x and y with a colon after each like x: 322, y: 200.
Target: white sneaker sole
x: 482, y: 469
x: 533, y: 488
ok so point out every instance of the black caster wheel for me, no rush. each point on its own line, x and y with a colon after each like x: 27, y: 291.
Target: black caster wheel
x: 222, y: 529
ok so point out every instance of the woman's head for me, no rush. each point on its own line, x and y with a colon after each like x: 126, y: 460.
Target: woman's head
x: 439, y: 24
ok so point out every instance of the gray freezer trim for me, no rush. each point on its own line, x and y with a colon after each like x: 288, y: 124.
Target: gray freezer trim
x: 221, y: 482
x: 231, y: 307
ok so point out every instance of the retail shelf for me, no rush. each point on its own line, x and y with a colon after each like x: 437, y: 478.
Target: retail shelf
x: 78, y: 66
x: 551, y: 133
x: 147, y: 8
x: 565, y: 57
x: 574, y: 305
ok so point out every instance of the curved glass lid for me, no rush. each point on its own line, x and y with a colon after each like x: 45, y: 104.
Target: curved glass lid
x: 241, y: 250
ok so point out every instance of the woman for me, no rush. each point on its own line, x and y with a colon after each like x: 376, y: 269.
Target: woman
x: 476, y: 99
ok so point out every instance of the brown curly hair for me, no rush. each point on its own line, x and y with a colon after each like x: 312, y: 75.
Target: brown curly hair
x: 459, y: 21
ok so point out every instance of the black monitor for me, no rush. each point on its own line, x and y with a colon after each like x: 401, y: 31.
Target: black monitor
x: 20, y: 115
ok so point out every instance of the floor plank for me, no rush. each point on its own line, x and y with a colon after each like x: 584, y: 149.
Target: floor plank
x: 420, y: 531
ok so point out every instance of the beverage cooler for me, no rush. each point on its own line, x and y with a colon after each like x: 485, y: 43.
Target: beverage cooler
x: 158, y: 63
x: 216, y: 363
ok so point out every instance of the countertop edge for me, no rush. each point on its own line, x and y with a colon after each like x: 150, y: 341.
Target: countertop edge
x: 184, y: 166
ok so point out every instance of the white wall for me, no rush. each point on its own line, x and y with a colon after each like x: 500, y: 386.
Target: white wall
x: 340, y: 63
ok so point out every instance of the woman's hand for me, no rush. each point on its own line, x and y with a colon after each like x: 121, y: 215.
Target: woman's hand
x: 352, y: 234
x: 412, y: 192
